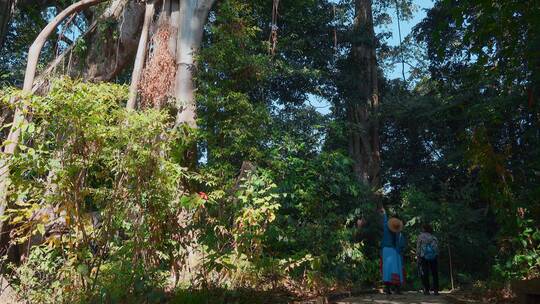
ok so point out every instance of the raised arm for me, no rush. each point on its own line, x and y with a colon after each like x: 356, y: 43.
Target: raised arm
x: 418, y: 247
x: 382, y: 211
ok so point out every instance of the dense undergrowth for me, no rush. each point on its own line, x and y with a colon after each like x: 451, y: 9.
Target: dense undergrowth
x: 100, y: 194
x: 109, y: 205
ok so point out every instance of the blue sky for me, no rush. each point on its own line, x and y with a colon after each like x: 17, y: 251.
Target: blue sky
x: 406, y: 27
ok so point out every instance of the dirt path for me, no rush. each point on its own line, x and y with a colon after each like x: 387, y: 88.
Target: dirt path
x: 406, y: 298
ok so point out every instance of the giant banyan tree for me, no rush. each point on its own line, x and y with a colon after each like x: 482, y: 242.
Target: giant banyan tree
x: 160, y: 37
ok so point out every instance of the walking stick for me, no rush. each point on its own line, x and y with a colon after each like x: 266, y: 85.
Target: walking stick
x: 450, y: 262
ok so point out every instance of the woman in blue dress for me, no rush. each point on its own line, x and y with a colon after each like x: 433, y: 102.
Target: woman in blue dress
x: 393, y: 244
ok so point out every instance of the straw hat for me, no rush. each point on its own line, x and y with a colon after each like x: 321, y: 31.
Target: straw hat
x: 395, y: 225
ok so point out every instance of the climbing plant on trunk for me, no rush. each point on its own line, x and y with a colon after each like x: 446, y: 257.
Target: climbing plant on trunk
x: 184, y: 20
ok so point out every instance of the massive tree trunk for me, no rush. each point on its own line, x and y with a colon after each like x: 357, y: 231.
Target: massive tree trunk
x: 169, y: 71
x: 189, y: 17
x: 107, y: 56
x: 185, y: 19
x: 192, y: 17
x: 362, y: 112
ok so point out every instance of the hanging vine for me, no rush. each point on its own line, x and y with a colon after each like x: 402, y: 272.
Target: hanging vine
x: 159, y: 74
x: 274, y: 28
x: 400, y: 42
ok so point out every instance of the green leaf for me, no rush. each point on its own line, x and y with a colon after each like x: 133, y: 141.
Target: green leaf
x: 41, y: 228
x: 82, y: 269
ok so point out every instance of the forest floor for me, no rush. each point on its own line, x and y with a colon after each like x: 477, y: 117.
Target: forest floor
x: 405, y: 298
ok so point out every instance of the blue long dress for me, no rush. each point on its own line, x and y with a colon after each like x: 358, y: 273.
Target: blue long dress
x: 392, y: 261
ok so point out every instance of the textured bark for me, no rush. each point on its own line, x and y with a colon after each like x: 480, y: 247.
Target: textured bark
x: 141, y: 55
x: 172, y: 8
x: 186, y: 18
x: 19, y: 116
x: 107, y: 56
x: 362, y: 113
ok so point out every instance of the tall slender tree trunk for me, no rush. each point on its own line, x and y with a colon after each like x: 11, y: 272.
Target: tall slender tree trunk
x: 140, y: 57
x: 362, y: 112
x: 10, y: 145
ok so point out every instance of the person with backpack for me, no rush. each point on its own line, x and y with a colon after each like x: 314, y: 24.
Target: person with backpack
x: 427, y: 250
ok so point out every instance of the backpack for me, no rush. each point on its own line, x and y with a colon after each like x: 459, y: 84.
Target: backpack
x: 429, y: 252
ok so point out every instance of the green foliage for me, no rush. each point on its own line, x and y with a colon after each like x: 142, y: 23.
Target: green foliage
x: 242, y: 88
x: 458, y: 227
x: 105, y: 177
x: 103, y: 199
x: 484, y: 62
x: 42, y: 278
